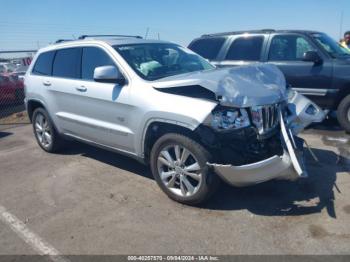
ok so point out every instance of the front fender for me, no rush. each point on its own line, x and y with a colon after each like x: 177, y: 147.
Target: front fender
x: 181, y: 120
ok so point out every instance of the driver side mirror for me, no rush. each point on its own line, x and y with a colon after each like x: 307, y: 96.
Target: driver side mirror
x: 108, y: 74
x: 312, y: 56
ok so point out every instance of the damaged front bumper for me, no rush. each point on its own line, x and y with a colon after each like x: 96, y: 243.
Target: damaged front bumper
x: 289, y: 166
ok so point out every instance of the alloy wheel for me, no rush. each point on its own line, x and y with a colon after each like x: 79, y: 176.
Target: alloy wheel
x: 179, y: 170
x: 43, y: 130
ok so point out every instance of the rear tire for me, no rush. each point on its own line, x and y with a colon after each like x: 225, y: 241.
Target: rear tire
x: 179, y: 165
x: 343, y: 113
x: 45, y: 132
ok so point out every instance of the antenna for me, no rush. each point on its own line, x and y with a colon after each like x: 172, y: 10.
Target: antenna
x: 341, y: 25
x: 146, y: 34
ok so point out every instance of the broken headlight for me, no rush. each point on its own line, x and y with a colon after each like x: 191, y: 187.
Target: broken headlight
x: 229, y: 118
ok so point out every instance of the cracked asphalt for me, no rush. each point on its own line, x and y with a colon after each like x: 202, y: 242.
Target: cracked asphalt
x: 90, y: 201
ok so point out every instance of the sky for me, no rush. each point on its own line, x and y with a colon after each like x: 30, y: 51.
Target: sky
x: 36, y: 23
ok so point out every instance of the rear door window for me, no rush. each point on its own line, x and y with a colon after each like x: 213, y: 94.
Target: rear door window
x: 208, y: 48
x: 67, y: 63
x: 247, y: 48
x: 93, y: 57
x: 288, y: 48
x: 43, y: 65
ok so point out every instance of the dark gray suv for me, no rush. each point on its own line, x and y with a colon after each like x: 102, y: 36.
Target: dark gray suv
x: 312, y: 62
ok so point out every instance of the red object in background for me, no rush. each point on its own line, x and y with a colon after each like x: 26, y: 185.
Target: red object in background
x: 11, y: 89
x: 26, y: 61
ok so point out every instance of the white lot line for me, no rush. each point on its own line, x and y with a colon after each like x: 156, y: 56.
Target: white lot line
x: 36, y: 242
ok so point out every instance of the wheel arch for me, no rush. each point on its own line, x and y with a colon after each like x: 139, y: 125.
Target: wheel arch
x: 157, y: 128
x: 344, y: 92
x: 33, y: 104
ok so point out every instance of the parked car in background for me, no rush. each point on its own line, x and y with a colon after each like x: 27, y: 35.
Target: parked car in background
x: 168, y: 107
x: 313, y: 63
x: 20, y: 71
x: 7, y: 68
x: 11, y: 89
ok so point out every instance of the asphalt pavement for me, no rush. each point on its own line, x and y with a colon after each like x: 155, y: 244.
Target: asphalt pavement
x: 86, y: 200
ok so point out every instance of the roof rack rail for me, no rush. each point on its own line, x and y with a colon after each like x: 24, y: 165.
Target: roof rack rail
x: 241, y: 32
x: 63, y: 40
x: 132, y: 36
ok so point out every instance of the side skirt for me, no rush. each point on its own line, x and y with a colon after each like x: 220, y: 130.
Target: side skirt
x: 109, y: 148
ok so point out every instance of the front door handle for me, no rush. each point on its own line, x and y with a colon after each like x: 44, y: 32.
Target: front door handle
x: 81, y: 88
x: 46, y: 83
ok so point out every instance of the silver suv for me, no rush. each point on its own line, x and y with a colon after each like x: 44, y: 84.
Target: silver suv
x: 168, y: 107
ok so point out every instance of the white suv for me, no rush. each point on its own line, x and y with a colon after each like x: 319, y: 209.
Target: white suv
x: 164, y: 105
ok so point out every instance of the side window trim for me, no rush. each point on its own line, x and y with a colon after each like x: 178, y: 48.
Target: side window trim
x: 222, y: 53
x: 53, y: 60
x: 226, y: 47
x: 221, y: 50
x: 265, y: 49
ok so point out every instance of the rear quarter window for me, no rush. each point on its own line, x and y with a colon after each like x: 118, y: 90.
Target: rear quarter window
x: 43, y: 65
x: 208, y: 48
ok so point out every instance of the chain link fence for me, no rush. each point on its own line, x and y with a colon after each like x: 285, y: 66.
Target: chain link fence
x: 13, y: 66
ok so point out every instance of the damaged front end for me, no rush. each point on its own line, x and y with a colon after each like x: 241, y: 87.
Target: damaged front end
x: 252, y: 132
x: 267, y: 149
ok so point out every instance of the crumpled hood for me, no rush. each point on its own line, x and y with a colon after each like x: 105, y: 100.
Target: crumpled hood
x: 242, y: 86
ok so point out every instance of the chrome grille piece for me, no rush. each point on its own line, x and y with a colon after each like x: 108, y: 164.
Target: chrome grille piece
x: 265, y: 118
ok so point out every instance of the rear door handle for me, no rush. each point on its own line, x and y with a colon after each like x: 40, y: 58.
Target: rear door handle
x: 81, y: 89
x: 46, y: 83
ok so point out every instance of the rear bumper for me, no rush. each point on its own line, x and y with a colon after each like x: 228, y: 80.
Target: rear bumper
x: 289, y: 166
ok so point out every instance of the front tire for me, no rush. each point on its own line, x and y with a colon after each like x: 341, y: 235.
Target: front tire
x: 343, y: 113
x: 45, y: 132
x: 179, y: 165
